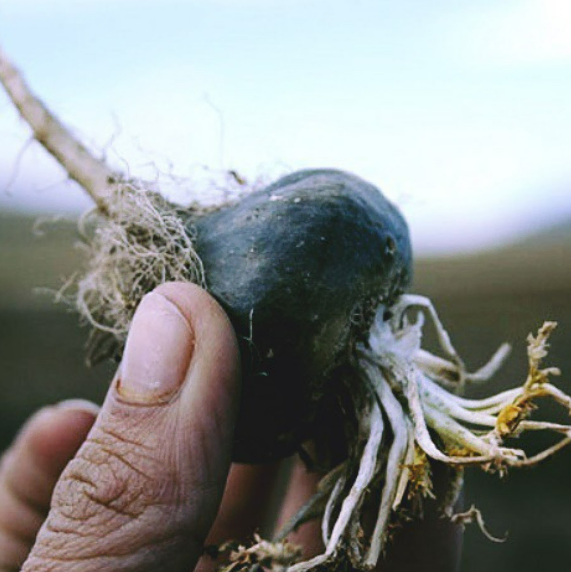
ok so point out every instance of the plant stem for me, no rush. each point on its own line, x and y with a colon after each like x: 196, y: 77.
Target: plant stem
x: 79, y: 163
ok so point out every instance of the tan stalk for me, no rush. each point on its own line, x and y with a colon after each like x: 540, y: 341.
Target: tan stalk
x: 91, y: 173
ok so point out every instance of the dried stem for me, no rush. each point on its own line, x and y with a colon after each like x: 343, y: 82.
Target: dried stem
x: 92, y: 174
x: 474, y: 515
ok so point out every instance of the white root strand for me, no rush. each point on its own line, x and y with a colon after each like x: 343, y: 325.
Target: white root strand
x: 456, y: 433
x: 410, y: 300
x: 395, y: 459
x: 489, y: 405
x: 329, y: 508
x: 406, y: 378
x: 446, y: 372
x: 557, y: 394
x: 454, y: 492
x: 310, y: 564
x: 362, y: 481
x: 446, y: 404
x: 529, y: 462
x: 405, y: 473
x: 486, y: 372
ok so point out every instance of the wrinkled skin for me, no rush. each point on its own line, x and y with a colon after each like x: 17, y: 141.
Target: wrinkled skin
x: 138, y: 485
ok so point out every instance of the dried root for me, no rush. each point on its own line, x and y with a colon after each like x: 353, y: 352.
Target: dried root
x: 261, y: 554
x: 474, y: 515
x: 410, y: 417
x: 143, y: 241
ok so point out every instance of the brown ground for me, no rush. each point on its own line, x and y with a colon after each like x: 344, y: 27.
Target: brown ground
x: 483, y: 300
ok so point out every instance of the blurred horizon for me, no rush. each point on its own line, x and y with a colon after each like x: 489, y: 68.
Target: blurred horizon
x: 543, y: 228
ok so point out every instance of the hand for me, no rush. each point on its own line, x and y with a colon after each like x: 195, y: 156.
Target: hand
x: 145, y: 476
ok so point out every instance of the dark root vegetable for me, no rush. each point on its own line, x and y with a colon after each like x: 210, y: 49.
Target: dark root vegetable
x: 311, y: 271
x: 300, y: 267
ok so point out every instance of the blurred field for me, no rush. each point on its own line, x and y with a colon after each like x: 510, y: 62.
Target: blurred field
x: 483, y: 300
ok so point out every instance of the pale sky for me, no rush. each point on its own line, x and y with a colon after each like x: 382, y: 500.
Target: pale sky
x: 459, y: 110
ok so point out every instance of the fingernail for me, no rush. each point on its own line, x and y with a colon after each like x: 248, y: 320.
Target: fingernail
x: 78, y: 405
x: 157, y: 352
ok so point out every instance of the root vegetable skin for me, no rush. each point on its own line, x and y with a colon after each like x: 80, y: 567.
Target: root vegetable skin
x: 311, y: 271
x: 300, y: 267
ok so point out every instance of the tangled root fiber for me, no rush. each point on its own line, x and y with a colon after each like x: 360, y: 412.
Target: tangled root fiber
x: 142, y: 242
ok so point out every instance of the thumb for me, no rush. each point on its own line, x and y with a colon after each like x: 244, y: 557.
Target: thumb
x: 144, y: 488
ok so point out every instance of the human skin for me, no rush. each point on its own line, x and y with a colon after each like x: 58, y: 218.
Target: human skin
x: 145, y: 481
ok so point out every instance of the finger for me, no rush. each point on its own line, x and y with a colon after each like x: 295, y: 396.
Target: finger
x: 245, y: 502
x: 29, y: 471
x: 143, y: 490
x: 244, y: 508
x: 302, y: 486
